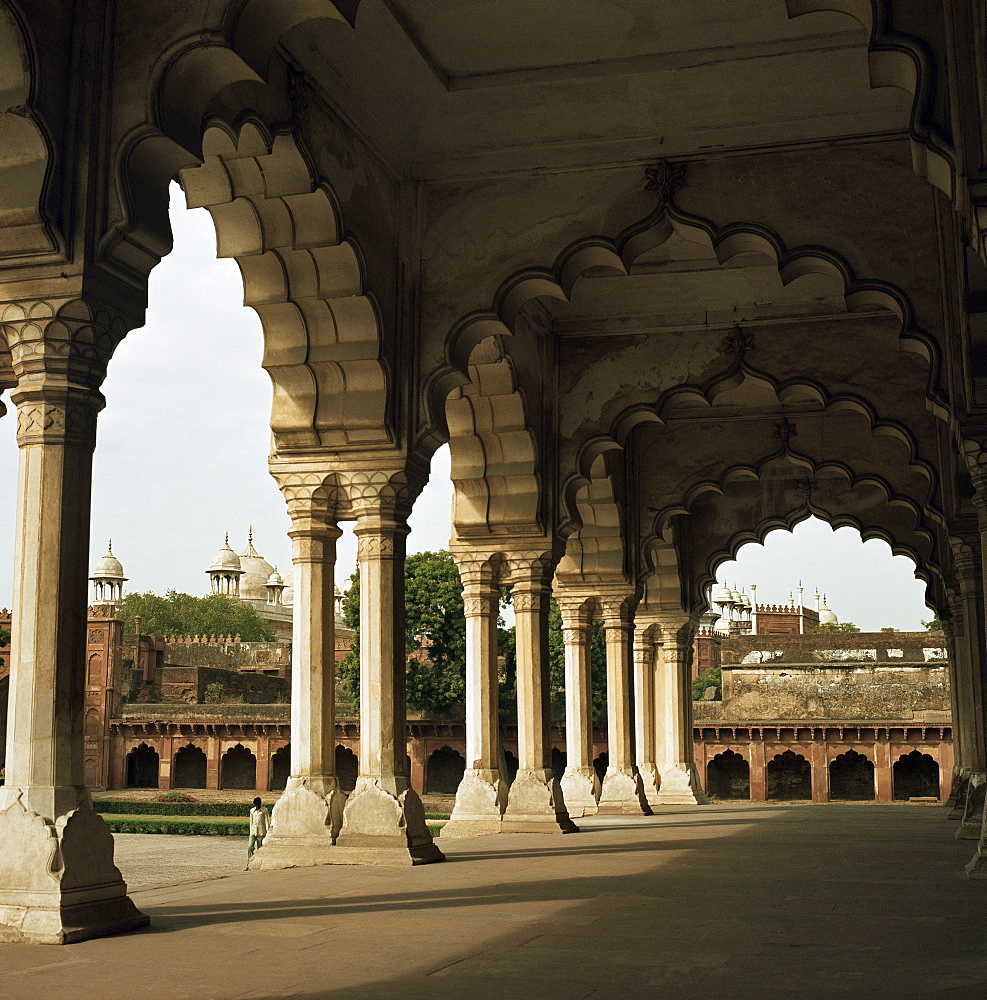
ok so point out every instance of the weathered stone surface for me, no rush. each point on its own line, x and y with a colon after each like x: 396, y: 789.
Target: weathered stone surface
x: 535, y: 805
x: 480, y: 803
x: 580, y: 791
x: 58, y: 883
x: 304, y: 824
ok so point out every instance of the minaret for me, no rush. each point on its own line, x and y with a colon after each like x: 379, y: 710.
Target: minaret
x: 108, y: 579
x: 225, y: 571
x: 753, y: 609
x: 801, y: 615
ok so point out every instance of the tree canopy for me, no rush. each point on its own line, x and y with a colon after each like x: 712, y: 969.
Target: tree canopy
x: 183, y: 614
x: 834, y: 627
x: 4, y: 640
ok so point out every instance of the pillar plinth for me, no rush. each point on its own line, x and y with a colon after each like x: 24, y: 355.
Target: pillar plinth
x: 679, y: 782
x: 58, y: 882
x: 957, y: 794
x: 481, y: 797
x: 384, y: 819
x: 534, y: 802
x: 309, y: 813
x: 621, y: 792
x: 972, y: 821
x: 579, y: 783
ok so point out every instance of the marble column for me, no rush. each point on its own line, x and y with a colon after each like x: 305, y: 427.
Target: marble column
x: 534, y: 802
x: 384, y: 819
x: 645, y: 735
x: 679, y: 782
x: 58, y: 882
x: 309, y: 813
x: 621, y: 791
x: 580, y: 783
x: 482, y: 794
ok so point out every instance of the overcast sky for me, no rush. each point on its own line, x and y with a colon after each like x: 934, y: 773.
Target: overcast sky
x: 182, y: 458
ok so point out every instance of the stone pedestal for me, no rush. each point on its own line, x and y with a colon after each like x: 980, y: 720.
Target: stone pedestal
x: 648, y: 776
x: 971, y: 822
x: 58, y: 883
x: 621, y: 794
x: 580, y: 791
x: 535, y: 805
x: 384, y: 824
x: 957, y: 794
x: 680, y: 785
x: 306, y: 819
x: 480, y: 803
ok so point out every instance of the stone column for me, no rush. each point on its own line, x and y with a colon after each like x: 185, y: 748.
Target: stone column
x: 58, y: 882
x: 645, y: 735
x: 534, y: 802
x: 679, y: 783
x: 482, y: 794
x: 621, y: 791
x: 820, y: 773
x: 882, y: 769
x: 384, y: 819
x: 580, y: 784
x: 973, y: 749
x: 758, y: 772
x: 309, y: 813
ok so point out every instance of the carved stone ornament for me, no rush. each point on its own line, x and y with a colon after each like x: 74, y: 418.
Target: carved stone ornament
x: 529, y: 601
x: 375, y: 546
x: 73, y: 422
x: 665, y: 178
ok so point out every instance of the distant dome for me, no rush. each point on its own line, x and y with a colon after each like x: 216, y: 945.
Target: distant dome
x: 275, y: 580
x: 724, y: 595
x: 826, y: 617
x: 109, y: 567
x: 225, y: 560
x: 737, y: 598
x: 256, y: 572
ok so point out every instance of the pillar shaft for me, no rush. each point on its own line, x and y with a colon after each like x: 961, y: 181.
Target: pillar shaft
x: 535, y: 801
x: 309, y: 813
x: 645, y: 735
x: 384, y: 820
x: 481, y: 797
x: 679, y: 782
x: 580, y: 783
x: 621, y: 791
x: 58, y: 882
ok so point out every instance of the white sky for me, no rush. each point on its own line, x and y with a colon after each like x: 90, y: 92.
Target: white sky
x: 182, y: 458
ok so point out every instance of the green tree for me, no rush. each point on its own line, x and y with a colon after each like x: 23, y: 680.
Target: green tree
x: 889, y: 629
x: 183, y: 614
x: 833, y: 627
x: 935, y: 625
x: 709, y: 678
x: 435, y: 634
x: 4, y: 641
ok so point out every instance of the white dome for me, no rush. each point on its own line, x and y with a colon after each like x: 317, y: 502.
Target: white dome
x: 275, y: 580
x: 256, y: 572
x: 737, y: 597
x: 108, y: 568
x: 826, y: 617
x: 724, y: 596
x: 225, y: 560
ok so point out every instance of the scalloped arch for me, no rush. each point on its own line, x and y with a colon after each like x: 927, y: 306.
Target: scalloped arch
x: 492, y: 448
x: 24, y: 148
x: 321, y: 331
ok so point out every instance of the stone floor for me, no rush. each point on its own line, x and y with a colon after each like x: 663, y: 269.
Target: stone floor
x: 738, y: 902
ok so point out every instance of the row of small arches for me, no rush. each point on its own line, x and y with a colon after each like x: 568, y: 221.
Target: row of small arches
x: 238, y: 768
x: 851, y: 777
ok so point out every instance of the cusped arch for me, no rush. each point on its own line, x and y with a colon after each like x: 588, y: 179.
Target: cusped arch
x: 24, y: 148
x: 493, y: 449
x: 304, y: 280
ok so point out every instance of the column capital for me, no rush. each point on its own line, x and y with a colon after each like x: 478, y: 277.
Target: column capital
x: 576, y: 611
x: 617, y: 610
x: 65, y: 340
x: 480, y: 600
x: 531, y: 571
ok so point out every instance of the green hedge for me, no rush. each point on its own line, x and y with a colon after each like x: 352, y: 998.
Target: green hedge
x: 188, y: 827
x: 127, y: 807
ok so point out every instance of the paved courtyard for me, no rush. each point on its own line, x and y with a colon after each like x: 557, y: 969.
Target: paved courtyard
x: 738, y: 902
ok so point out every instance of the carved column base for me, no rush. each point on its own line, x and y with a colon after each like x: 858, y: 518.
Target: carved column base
x: 622, y: 795
x: 305, y: 822
x: 535, y: 805
x: 648, y: 773
x: 580, y: 791
x: 972, y: 821
x: 957, y: 794
x: 679, y: 786
x: 384, y: 824
x: 480, y: 803
x: 977, y: 868
x: 58, y: 883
